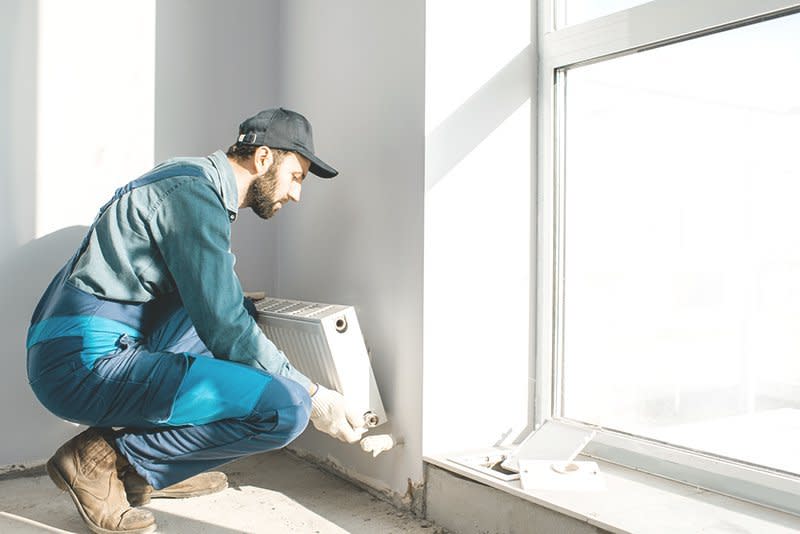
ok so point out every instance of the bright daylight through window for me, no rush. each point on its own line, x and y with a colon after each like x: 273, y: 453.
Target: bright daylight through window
x: 681, y: 244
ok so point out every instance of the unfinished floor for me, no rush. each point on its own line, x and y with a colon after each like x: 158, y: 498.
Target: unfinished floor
x: 273, y: 492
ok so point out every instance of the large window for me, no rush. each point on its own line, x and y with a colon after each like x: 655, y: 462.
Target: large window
x: 669, y: 278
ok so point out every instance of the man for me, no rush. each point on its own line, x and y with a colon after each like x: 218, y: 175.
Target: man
x: 145, y: 330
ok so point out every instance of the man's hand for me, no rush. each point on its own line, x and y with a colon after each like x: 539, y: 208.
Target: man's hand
x: 330, y: 414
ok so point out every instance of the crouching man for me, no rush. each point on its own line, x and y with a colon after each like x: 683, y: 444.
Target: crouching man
x: 145, y: 335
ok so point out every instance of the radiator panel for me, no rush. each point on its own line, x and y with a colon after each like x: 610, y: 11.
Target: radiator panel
x: 324, y: 342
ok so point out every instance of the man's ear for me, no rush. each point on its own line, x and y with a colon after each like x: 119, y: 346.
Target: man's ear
x: 262, y: 159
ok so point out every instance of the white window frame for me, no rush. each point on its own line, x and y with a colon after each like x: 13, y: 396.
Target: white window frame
x: 653, y: 24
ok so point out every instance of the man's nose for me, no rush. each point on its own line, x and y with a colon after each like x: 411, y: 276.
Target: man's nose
x: 294, y: 191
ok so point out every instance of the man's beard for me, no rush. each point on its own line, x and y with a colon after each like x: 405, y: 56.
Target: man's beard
x: 261, y: 194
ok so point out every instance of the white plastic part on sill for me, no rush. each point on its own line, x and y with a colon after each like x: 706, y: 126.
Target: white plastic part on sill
x: 553, y: 442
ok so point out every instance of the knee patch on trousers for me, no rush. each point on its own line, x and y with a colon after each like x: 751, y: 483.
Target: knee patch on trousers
x: 289, y: 403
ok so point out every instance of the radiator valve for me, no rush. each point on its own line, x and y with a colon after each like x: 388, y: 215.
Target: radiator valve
x: 371, y: 419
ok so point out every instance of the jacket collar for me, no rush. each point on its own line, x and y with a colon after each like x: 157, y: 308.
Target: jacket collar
x: 225, y: 181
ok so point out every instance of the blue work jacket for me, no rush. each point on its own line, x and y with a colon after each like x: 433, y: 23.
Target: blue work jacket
x: 174, y: 234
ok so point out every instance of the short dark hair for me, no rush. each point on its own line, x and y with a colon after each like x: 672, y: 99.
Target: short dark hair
x: 240, y: 151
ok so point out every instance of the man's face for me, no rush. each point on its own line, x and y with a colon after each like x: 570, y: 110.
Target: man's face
x: 279, y: 184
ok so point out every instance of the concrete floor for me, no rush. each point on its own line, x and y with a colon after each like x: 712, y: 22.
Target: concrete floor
x: 273, y: 492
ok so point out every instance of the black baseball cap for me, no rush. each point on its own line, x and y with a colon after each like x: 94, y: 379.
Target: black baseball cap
x: 285, y: 130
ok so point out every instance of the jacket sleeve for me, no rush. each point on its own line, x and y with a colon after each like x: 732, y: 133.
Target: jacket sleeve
x: 191, y: 230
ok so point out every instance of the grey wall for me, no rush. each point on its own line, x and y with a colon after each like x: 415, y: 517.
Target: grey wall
x: 356, y: 68
x: 26, y: 264
x: 217, y: 63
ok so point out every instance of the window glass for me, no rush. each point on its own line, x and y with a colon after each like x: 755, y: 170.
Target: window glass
x: 682, y: 244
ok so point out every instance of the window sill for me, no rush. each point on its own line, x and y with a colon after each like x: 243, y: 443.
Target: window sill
x: 635, y: 502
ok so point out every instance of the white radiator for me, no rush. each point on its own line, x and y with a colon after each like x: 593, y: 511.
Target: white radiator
x: 324, y: 342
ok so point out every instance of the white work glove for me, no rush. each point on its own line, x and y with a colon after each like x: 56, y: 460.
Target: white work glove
x: 330, y: 414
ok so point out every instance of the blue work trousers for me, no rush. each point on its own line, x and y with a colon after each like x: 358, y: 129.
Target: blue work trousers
x: 142, y: 367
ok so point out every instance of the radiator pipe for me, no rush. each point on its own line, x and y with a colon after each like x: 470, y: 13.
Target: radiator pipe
x: 379, y: 443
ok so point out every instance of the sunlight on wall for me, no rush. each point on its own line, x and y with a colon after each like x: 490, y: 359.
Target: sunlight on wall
x: 459, y: 59
x: 96, y: 90
x: 477, y: 224
x: 477, y: 285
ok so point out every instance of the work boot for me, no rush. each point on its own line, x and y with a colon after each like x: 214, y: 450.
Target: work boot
x: 140, y: 492
x: 86, y: 466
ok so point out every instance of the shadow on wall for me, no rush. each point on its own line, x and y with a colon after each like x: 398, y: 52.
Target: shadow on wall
x: 30, y: 433
x: 480, y: 115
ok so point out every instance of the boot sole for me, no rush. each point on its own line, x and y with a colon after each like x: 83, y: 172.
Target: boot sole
x: 58, y: 479
x: 161, y: 494
x: 142, y: 499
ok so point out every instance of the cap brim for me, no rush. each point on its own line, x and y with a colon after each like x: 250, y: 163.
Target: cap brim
x: 319, y: 167
x: 322, y: 169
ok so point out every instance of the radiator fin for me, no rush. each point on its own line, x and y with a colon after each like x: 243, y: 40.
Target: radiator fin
x: 293, y: 307
x: 309, y: 353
